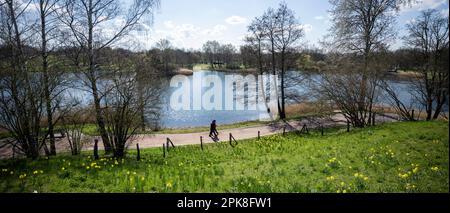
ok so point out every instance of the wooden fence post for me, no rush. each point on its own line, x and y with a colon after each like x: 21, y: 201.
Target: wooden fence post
x: 96, y: 149
x: 412, y: 114
x: 138, y: 157
x: 373, y: 118
x: 168, y: 141
x: 201, y: 142
x: 321, y: 129
x: 164, y: 150
x: 259, y: 136
x: 231, y: 140
x: 284, y: 130
x: 348, y: 126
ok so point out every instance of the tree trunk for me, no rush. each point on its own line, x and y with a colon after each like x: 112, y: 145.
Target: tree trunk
x: 48, y: 101
x: 282, y: 112
x: 261, y: 72
x: 429, y: 108
x: 93, y: 80
x: 440, y: 101
x: 119, y: 152
x: 274, y: 73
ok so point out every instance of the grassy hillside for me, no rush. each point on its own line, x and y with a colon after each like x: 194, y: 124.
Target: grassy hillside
x: 397, y: 157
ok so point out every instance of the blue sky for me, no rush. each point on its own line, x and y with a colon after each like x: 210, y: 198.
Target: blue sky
x: 190, y: 23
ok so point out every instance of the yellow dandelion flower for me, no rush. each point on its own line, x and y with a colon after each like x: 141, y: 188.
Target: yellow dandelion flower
x: 403, y: 175
x: 435, y: 168
x: 169, y: 184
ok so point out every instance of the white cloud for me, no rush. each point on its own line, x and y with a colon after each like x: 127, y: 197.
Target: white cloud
x: 411, y: 21
x: 180, y: 35
x: 215, y: 31
x: 233, y: 20
x: 306, y: 27
x: 169, y: 24
x: 422, y: 5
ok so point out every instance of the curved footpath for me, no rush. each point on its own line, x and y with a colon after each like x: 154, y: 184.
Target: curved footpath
x: 157, y: 140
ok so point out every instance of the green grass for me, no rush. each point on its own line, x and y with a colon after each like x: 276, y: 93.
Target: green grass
x: 396, y: 157
x: 201, y: 67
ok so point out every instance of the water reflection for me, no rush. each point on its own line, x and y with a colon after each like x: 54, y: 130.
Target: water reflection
x: 197, y: 115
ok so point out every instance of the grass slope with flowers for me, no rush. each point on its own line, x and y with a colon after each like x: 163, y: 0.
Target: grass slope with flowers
x: 395, y: 157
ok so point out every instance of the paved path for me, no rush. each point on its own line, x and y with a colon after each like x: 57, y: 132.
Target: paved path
x: 157, y: 140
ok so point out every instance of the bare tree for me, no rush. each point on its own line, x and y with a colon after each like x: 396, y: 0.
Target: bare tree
x: 165, y: 47
x: 362, y: 30
x: 248, y: 54
x: 72, y: 124
x: 288, y: 34
x: 46, y: 31
x: 226, y: 54
x: 211, y: 50
x: 123, y: 108
x: 21, y: 99
x: 405, y: 111
x: 85, y: 19
x: 269, y: 22
x: 256, y: 39
x: 428, y: 35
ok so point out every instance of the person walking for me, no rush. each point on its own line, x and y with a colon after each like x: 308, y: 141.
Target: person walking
x: 213, y: 130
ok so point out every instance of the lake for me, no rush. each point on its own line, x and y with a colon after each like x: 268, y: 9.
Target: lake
x: 183, y: 104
